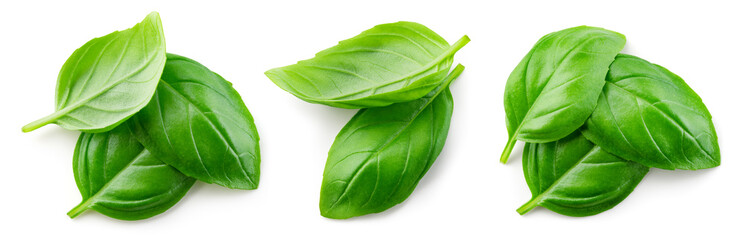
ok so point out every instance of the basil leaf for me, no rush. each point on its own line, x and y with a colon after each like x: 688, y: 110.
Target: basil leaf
x: 574, y: 177
x: 390, y: 63
x: 108, y: 79
x: 649, y: 115
x: 197, y: 123
x: 555, y: 88
x: 380, y: 155
x: 120, y: 179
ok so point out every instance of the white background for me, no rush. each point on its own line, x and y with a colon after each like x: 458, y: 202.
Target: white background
x: 467, y: 193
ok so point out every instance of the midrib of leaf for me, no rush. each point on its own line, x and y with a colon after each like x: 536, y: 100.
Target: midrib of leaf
x: 229, y: 144
x: 340, y: 70
x: 524, y: 83
x: 98, y: 61
x: 536, y: 200
x: 614, y: 121
x: 193, y: 141
x: 87, y: 203
x: 666, y: 115
x: 145, y: 200
x: 435, y: 62
x: 59, y: 113
x: 651, y: 136
x: 377, y: 182
x: 169, y: 192
x: 455, y: 73
x: 364, y: 49
x: 513, y: 137
x: 198, y: 83
x: 230, y: 102
x: 90, y: 72
x: 431, y: 157
x: 601, y: 195
x: 661, y: 78
x: 307, y: 80
x: 402, y: 172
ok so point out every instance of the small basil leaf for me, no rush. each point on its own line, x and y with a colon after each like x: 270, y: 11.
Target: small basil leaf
x: 555, y: 88
x: 197, y: 123
x: 120, y: 179
x: 381, y: 154
x: 574, y: 177
x: 649, y: 115
x: 390, y: 63
x: 108, y: 79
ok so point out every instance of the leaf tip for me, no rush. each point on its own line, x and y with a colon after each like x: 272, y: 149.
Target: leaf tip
x: 153, y: 15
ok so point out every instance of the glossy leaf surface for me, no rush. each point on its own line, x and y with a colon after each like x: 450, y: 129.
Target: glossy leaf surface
x: 117, y: 177
x: 197, y: 123
x: 390, y: 63
x: 381, y: 154
x: 555, y: 88
x: 574, y: 177
x: 649, y: 115
x: 109, y: 79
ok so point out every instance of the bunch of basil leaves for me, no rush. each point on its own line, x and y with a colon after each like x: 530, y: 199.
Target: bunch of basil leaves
x: 152, y: 124
x: 594, y: 121
x: 398, y: 74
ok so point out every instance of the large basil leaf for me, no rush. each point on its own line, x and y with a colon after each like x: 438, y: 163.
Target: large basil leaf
x: 649, y: 115
x: 108, y: 79
x: 197, y: 123
x: 574, y: 177
x: 390, y: 63
x: 120, y: 179
x: 381, y: 154
x: 555, y: 88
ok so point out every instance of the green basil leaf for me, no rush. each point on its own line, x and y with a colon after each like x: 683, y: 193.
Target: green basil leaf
x: 649, y: 115
x: 390, y: 63
x: 381, y: 154
x: 120, y: 179
x: 555, y: 88
x: 108, y: 79
x: 574, y: 177
x: 198, y: 123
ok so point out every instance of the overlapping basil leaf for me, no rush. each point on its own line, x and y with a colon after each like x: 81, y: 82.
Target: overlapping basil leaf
x: 119, y: 178
x: 649, y: 115
x: 197, y: 123
x: 574, y: 177
x: 555, y: 87
x: 381, y: 154
x: 108, y: 79
x: 390, y: 63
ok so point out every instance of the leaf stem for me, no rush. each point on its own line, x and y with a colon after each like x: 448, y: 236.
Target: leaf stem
x: 528, y: 206
x: 454, y: 74
x: 80, y: 208
x: 508, y: 149
x: 459, y: 44
x: 42, y: 121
